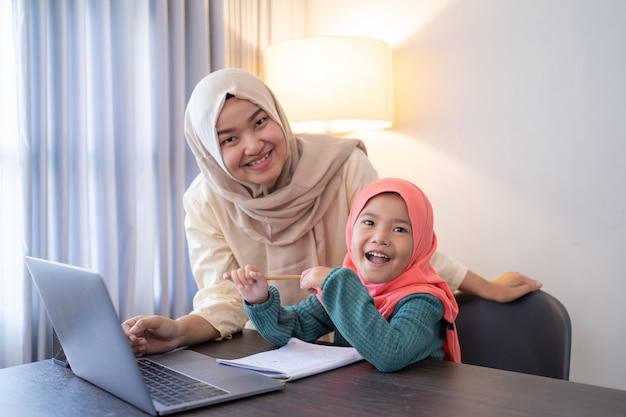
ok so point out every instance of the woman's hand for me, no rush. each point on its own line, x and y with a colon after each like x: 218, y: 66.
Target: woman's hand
x: 151, y: 334
x: 511, y: 286
x: 506, y: 287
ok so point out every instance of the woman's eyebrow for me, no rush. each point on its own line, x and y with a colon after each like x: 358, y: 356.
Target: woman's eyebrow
x: 255, y: 114
x: 224, y: 131
x: 251, y: 118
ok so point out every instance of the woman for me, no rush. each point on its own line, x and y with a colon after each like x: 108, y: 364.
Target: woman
x: 272, y: 199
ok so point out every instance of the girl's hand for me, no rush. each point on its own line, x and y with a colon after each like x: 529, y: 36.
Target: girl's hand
x: 250, y: 282
x: 313, y: 278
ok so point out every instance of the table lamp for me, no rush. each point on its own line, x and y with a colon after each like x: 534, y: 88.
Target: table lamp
x: 332, y: 84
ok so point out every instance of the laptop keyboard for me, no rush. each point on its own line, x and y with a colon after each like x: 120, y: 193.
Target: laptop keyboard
x: 170, y: 387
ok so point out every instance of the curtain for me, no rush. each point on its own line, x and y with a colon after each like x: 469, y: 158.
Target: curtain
x: 11, y: 213
x: 99, y: 163
x: 251, y: 25
x: 102, y: 87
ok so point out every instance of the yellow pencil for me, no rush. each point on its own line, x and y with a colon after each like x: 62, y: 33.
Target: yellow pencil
x: 281, y: 277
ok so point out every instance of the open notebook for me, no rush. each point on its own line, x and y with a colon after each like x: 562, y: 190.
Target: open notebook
x: 83, y: 315
x: 297, y: 359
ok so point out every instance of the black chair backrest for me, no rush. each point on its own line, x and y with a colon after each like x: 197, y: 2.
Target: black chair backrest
x: 532, y: 334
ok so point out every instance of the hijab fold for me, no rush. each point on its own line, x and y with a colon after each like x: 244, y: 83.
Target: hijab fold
x: 288, y: 211
x: 419, y: 275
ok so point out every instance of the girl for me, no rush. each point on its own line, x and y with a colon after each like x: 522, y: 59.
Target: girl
x: 386, y: 301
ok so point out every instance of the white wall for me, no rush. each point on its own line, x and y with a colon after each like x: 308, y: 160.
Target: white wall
x: 511, y: 115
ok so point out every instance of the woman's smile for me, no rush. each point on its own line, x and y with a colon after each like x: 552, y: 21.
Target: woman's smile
x: 259, y: 163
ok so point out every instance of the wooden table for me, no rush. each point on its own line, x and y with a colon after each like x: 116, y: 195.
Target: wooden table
x: 429, y: 388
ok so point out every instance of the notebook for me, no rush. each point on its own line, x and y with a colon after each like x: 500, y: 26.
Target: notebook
x: 90, y: 332
x: 297, y: 359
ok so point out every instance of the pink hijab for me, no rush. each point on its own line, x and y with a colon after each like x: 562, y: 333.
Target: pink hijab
x: 419, y: 276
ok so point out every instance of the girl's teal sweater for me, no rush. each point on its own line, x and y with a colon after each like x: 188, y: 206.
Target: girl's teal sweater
x: 413, y: 332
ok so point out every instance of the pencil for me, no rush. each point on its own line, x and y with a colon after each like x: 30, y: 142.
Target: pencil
x: 281, y: 277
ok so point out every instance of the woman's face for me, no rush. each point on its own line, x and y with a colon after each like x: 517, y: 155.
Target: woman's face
x: 253, y: 146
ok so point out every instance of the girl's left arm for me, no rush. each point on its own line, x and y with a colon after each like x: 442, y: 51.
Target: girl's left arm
x: 307, y: 321
x: 413, y: 333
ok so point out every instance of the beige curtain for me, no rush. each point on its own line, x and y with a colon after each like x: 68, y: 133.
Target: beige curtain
x: 251, y: 25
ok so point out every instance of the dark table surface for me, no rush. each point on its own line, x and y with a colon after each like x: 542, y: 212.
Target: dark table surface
x: 429, y: 388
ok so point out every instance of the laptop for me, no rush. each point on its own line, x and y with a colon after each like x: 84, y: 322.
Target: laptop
x: 90, y: 332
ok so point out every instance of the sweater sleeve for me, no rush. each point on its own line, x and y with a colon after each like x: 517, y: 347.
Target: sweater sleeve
x: 413, y: 332
x: 307, y: 321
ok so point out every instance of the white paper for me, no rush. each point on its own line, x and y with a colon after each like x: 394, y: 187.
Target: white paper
x: 297, y: 359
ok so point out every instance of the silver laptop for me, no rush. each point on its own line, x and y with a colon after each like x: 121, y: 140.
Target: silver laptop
x: 90, y: 332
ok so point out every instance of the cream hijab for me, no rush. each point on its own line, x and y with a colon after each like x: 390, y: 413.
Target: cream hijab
x: 289, y: 211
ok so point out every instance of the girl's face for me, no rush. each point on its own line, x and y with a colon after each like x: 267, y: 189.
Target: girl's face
x: 253, y: 146
x: 382, y: 239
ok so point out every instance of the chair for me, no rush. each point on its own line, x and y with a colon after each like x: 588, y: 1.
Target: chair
x: 532, y: 334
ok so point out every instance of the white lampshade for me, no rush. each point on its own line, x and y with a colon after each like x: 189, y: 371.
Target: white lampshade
x: 332, y: 84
